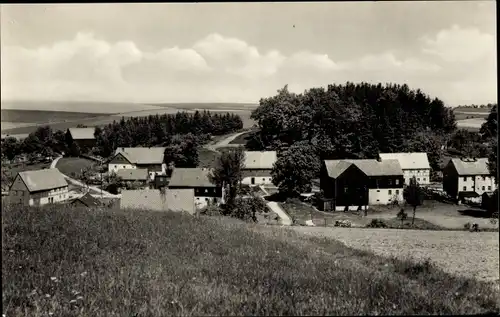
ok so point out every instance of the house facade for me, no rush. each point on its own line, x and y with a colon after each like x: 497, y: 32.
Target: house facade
x: 134, y: 176
x: 356, y: 184
x: 38, y: 188
x: 198, y: 179
x: 414, y: 164
x: 150, y: 159
x: 257, y: 167
x: 467, y: 178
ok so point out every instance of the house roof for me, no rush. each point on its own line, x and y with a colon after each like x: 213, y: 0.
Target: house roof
x: 477, y: 167
x: 260, y: 159
x: 143, y: 155
x: 191, y: 177
x: 370, y: 167
x: 133, y: 174
x: 153, y: 199
x: 414, y: 160
x: 45, y: 179
x: 88, y: 200
x: 82, y: 133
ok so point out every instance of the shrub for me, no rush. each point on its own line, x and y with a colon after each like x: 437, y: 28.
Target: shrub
x: 212, y: 210
x: 377, y: 223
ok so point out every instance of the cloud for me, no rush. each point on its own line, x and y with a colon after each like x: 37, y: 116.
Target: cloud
x: 226, y: 69
x: 460, y: 44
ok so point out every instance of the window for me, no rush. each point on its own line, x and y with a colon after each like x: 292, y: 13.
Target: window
x: 483, y: 188
x: 465, y: 178
x: 206, y: 199
x: 489, y: 187
x: 390, y: 192
x: 390, y: 181
x: 346, y: 189
x: 263, y: 179
x: 206, y: 190
x: 378, y: 191
x: 397, y: 191
x: 423, y: 179
x: 123, y: 166
x: 418, y: 179
x: 465, y: 187
x: 484, y: 178
x: 397, y: 181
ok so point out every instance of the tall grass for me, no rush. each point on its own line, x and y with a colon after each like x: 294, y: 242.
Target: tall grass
x: 114, y: 263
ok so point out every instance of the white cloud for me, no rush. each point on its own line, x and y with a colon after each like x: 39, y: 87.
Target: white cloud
x: 219, y: 68
x: 460, y: 44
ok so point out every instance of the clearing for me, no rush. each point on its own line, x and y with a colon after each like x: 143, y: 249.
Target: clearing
x: 125, y: 263
x: 73, y: 165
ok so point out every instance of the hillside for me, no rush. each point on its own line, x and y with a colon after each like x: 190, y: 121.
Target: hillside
x: 126, y: 263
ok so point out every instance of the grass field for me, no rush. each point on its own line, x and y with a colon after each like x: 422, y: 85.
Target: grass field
x: 462, y: 253
x: 207, y: 158
x: 39, y: 116
x: 73, y: 165
x: 241, y: 139
x: 129, y: 263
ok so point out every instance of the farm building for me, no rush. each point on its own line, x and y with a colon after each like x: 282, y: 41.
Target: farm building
x: 467, y: 178
x: 86, y: 200
x: 198, y: 179
x: 180, y: 200
x: 161, y: 181
x: 413, y: 165
x: 356, y: 184
x: 137, y: 175
x: 38, y: 187
x: 150, y: 158
x: 84, y: 137
x: 258, y: 166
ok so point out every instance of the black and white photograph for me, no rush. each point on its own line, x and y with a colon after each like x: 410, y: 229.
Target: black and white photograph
x: 249, y: 158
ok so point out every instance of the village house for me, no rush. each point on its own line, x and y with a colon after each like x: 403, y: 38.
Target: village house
x: 415, y: 164
x: 83, y: 137
x: 87, y: 201
x: 178, y: 200
x: 467, y: 178
x: 257, y: 167
x: 137, y: 176
x: 356, y: 184
x: 38, y: 188
x: 198, y: 179
x: 150, y: 158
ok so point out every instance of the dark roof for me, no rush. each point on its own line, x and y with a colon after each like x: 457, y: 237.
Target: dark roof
x: 88, y: 200
x: 370, y: 167
x: 468, y: 194
x: 133, y: 174
x: 190, y: 177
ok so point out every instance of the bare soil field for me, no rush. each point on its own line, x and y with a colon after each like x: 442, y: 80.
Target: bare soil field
x: 464, y: 253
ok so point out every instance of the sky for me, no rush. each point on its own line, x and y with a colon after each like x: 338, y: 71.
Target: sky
x: 241, y: 52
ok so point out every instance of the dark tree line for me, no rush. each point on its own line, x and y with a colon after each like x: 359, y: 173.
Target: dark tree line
x: 181, y: 133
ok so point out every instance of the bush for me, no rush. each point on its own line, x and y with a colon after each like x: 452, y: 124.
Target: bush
x: 377, y: 223
x: 212, y: 210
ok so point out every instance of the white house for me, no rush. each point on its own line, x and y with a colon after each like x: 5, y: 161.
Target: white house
x: 414, y: 164
x: 150, y: 158
x: 39, y: 187
x: 258, y: 166
x: 468, y: 178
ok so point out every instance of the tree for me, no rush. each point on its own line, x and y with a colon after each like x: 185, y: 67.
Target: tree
x: 11, y: 147
x: 247, y: 208
x: 402, y: 215
x: 493, y: 159
x: 489, y: 128
x: 413, y: 196
x: 228, y: 172
x: 295, y: 168
x: 182, y: 151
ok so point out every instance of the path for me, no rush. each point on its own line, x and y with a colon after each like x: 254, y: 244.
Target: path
x: 98, y: 191
x: 224, y: 142
x: 285, y: 220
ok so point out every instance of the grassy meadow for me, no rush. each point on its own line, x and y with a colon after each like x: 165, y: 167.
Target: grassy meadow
x: 84, y: 262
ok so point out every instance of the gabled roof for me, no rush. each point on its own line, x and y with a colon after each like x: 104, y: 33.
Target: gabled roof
x: 260, y: 159
x: 191, y: 177
x: 477, y: 167
x: 82, y: 133
x: 370, y: 167
x: 414, y: 160
x: 88, y: 200
x: 153, y: 199
x: 46, y: 179
x: 143, y: 155
x: 133, y: 174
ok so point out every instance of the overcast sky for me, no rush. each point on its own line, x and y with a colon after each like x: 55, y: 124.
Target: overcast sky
x: 240, y: 52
